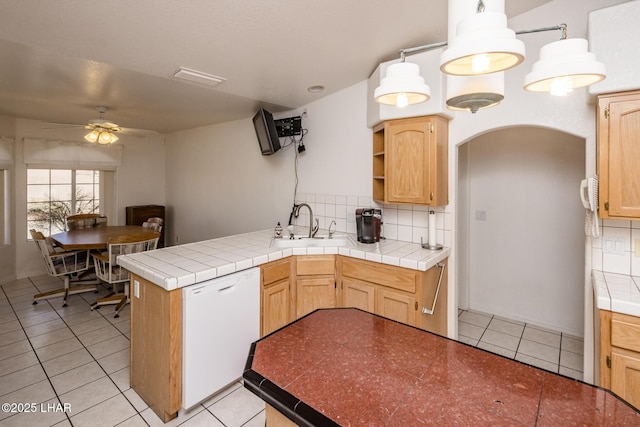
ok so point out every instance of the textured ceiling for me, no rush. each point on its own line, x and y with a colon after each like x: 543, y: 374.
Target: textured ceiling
x: 61, y: 59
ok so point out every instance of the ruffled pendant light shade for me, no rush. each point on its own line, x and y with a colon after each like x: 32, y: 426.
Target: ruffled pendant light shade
x: 483, y: 45
x: 402, y: 86
x: 563, y: 66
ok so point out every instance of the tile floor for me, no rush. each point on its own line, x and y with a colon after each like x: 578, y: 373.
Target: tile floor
x: 550, y: 350
x: 52, y: 356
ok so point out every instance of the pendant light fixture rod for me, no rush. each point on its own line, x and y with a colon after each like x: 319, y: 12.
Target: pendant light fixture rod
x: 410, y: 50
x: 561, y: 27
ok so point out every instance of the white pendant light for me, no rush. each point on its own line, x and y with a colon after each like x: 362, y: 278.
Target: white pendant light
x: 483, y: 45
x: 402, y: 86
x: 563, y: 66
x: 473, y: 93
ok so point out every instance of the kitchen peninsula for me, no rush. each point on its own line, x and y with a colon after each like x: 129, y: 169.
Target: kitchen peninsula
x: 347, y: 367
x: 400, y: 280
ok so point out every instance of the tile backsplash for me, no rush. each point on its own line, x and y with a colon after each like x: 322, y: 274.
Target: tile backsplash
x: 406, y: 223
x: 615, y: 250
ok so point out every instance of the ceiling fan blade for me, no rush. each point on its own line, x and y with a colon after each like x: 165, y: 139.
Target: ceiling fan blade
x: 53, y: 125
x: 137, y: 132
x: 63, y: 124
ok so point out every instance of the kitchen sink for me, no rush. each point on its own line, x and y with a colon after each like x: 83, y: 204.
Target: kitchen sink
x: 304, y: 241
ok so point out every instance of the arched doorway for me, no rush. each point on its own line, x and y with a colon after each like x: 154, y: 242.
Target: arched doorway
x: 521, y: 227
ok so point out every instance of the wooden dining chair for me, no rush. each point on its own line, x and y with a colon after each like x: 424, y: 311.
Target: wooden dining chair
x: 154, y: 224
x: 79, y: 221
x: 108, y: 270
x: 70, y: 265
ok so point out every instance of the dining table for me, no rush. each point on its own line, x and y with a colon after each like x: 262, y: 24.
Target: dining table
x: 96, y: 237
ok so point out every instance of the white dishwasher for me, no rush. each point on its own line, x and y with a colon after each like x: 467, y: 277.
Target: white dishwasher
x: 220, y: 320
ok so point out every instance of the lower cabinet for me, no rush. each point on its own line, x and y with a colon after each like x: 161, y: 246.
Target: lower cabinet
x: 359, y: 294
x: 396, y: 293
x: 297, y: 285
x: 275, y: 298
x: 620, y: 355
x: 315, y: 283
x: 396, y: 306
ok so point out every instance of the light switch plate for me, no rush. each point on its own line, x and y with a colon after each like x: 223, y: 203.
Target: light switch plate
x: 638, y: 248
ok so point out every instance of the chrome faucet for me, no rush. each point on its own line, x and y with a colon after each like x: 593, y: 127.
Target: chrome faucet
x: 333, y: 223
x: 312, y: 230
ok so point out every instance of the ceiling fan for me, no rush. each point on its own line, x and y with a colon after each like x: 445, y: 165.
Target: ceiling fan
x: 103, y: 131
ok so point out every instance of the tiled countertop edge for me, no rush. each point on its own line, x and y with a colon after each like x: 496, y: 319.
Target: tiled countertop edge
x: 172, y: 268
x: 618, y: 293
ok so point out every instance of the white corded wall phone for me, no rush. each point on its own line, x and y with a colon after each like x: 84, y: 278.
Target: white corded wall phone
x: 589, y: 196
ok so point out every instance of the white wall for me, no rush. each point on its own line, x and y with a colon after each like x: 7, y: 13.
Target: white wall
x: 527, y: 255
x: 338, y: 157
x: 219, y: 184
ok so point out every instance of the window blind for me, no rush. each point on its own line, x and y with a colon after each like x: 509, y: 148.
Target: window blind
x: 71, y: 155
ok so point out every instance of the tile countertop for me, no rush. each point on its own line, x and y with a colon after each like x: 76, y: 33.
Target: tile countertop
x: 178, y: 266
x: 352, y: 368
x: 618, y: 293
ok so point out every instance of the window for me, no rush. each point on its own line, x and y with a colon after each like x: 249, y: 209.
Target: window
x: 54, y: 194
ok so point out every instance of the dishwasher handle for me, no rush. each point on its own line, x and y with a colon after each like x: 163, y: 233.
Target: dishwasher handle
x: 207, y: 288
x: 227, y: 289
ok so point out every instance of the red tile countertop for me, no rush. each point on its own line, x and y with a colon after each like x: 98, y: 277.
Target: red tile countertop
x: 351, y: 368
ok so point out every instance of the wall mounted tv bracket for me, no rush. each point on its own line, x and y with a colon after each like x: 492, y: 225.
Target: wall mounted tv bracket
x: 289, y: 127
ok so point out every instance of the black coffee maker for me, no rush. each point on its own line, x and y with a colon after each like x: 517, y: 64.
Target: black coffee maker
x: 368, y: 222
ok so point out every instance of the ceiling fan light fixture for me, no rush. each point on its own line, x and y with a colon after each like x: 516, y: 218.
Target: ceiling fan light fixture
x: 564, y: 65
x: 92, y: 136
x: 101, y: 136
x: 107, y: 137
x: 483, y: 45
x: 403, y: 85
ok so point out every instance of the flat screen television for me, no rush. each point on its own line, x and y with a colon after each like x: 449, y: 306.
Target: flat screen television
x: 266, y: 132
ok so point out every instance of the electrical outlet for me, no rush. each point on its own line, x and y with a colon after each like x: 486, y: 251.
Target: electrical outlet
x: 481, y: 215
x: 613, y: 245
x: 136, y: 289
x: 305, y: 113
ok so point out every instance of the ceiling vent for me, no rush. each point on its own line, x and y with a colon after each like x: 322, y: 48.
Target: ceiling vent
x: 198, y: 77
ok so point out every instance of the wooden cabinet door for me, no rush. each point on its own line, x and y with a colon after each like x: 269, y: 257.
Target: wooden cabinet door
x: 407, y: 159
x: 358, y: 294
x: 619, y: 155
x: 396, y: 306
x: 314, y: 292
x: 625, y: 375
x: 275, y: 306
